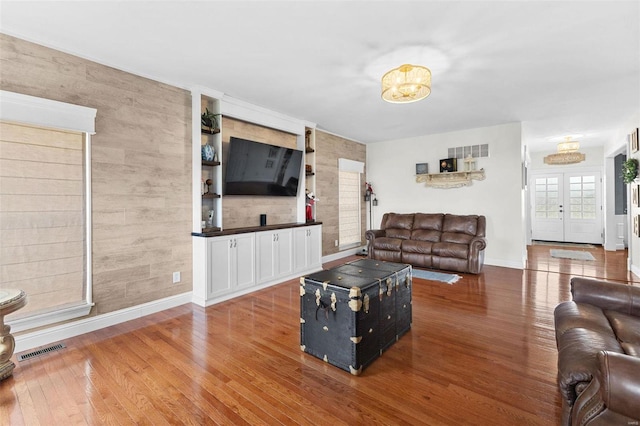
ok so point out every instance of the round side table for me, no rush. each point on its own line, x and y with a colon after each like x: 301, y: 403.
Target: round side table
x: 10, y: 301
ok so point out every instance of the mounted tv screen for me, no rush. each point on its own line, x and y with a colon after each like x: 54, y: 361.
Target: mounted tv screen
x: 254, y: 168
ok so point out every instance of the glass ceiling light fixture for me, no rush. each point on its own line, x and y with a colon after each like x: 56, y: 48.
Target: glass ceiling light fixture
x: 407, y: 83
x: 567, y: 153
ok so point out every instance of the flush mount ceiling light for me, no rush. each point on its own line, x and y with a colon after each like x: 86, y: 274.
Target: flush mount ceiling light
x: 567, y: 153
x: 407, y: 83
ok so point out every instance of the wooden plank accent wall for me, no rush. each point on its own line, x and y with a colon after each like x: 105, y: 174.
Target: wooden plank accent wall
x: 42, y: 215
x: 141, y: 164
x: 241, y: 211
x: 328, y: 149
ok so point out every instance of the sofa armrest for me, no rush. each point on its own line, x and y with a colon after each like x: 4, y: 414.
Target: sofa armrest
x: 372, y: 234
x: 476, y: 254
x: 606, y: 295
x: 615, y: 388
x: 477, y: 244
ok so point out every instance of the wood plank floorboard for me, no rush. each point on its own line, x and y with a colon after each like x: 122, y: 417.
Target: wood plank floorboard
x: 480, y: 352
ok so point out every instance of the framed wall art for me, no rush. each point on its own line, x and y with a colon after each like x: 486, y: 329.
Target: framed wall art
x: 634, y: 139
x: 636, y: 225
x: 448, y: 165
x: 422, y: 168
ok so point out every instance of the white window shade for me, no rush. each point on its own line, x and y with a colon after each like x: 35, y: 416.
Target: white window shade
x: 45, y: 208
x: 345, y: 165
x: 349, y: 189
x: 19, y: 108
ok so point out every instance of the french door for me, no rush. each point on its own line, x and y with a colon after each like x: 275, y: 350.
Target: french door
x: 566, y: 207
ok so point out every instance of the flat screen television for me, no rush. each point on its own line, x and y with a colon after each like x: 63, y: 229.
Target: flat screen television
x: 254, y: 168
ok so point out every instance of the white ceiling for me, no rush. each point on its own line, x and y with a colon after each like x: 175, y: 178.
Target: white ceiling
x: 562, y: 68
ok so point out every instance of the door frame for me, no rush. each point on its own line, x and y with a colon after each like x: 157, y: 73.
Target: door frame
x: 566, y: 169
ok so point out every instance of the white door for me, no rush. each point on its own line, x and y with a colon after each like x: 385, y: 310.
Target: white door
x: 567, y: 207
x: 583, y: 208
x: 546, y: 201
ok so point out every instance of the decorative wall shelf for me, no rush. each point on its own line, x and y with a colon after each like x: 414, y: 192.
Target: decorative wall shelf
x: 451, y: 179
x: 208, y: 131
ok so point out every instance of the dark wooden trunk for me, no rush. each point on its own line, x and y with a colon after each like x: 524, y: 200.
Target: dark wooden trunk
x: 350, y: 314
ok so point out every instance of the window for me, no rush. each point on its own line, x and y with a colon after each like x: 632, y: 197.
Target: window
x: 45, y: 233
x: 349, y: 189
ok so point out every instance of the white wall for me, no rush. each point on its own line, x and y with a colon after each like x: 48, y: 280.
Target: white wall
x: 634, y: 241
x: 391, y: 170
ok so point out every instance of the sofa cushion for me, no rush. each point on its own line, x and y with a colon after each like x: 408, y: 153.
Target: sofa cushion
x: 386, y: 243
x: 413, y: 246
x: 460, y: 251
x: 569, y: 315
x: 626, y: 327
x: 426, y: 235
x: 428, y: 221
x: 399, y: 226
x: 463, y: 224
x: 456, y: 237
x: 631, y: 349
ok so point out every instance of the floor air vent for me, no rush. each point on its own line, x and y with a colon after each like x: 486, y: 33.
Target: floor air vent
x: 42, y: 351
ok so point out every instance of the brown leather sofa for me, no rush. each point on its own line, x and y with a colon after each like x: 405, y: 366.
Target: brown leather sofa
x: 598, y: 339
x: 430, y: 240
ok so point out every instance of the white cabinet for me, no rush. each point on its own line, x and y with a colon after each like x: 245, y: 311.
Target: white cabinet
x: 274, y: 254
x: 307, y: 248
x: 231, y: 263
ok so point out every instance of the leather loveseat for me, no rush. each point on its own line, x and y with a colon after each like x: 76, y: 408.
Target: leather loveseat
x: 430, y: 240
x: 598, y: 339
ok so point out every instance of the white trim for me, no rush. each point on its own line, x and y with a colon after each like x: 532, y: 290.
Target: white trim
x: 340, y: 136
x: 346, y: 165
x: 64, y: 331
x: 504, y: 263
x: 88, y: 227
x: 339, y: 255
x: 59, y: 315
x: 245, y: 111
x: 634, y: 269
x: 21, y: 108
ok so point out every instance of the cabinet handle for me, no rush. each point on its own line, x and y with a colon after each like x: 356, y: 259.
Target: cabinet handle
x: 230, y: 243
x: 274, y: 237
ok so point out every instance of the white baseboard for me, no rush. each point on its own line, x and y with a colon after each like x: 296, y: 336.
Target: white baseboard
x: 504, y: 263
x: 341, y: 254
x: 64, y: 331
x: 635, y: 270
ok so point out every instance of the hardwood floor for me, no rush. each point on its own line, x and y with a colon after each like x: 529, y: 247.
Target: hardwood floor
x: 481, y: 352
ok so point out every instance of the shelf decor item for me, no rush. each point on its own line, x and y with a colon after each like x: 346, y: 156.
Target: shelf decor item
x: 448, y: 165
x: 629, y: 170
x: 210, y: 120
x: 634, y: 140
x: 422, y: 168
x: 208, y: 152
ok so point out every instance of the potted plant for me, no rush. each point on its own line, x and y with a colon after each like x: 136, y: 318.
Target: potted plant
x: 629, y: 170
x: 210, y: 120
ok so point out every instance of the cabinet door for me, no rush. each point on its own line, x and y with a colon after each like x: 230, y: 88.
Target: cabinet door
x: 220, y: 276
x: 314, y: 246
x: 244, y: 259
x: 300, y: 248
x: 284, y: 252
x: 265, y: 256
